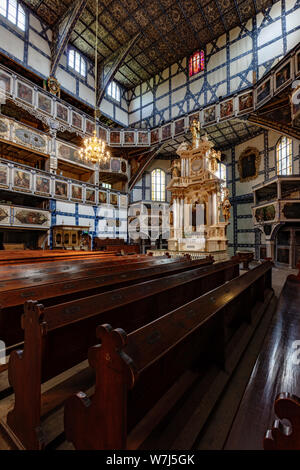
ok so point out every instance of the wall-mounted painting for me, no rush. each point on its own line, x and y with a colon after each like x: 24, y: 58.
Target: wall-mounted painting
x: 89, y: 127
x: 4, y: 215
x: 143, y: 138
x: 42, y: 185
x: 102, y: 197
x: 113, y: 199
x: 105, y: 166
x: 76, y: 192
x: 21, y: 179
x: 123, y: 201
x: 90, y: 195
x: 44, y: 103
x: 179, y: 126
x: 5, y: 82
x: 129, y: 137
x: 4, y: 128
x: 76, y: 120
x: 246, y: 102
x: 283, y: 76
x: 62, y: 112
x: 115, y: 165
x: 291, y: 210
x: 3, y: 176
x: 61, y: 189
x: 226, y: 109
x: 154, y: 136
x: 103, y: 134
x: 115, y: 137
x: 24, y: 92
x: 209, y: 115
x: 123, y: 166
x: 166, y: 132
x: 248, y: 164
x: 31, y: 217
x: 263, y: 92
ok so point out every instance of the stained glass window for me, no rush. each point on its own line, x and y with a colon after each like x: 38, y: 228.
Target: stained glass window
x: 11, y: 10
x: 158, y: 183
x: 284, y: 156
x: 196, y: 63
x: 76, y: 62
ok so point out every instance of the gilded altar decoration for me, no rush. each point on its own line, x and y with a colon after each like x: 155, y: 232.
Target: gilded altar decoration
x: 197, y: 206
x: 53, y: 86
x: 248, y: 164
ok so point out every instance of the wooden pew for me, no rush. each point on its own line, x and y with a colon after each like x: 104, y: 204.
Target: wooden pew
x: 274, y: 383
x: 57, y: 338
x: 89, y: 283
x: 35, y: 256
x: 134, y: 371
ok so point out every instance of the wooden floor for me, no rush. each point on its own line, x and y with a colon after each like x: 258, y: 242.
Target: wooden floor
x: 190, y: 425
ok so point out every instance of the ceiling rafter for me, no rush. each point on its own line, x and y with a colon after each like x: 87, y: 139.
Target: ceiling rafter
x: 62, y: 31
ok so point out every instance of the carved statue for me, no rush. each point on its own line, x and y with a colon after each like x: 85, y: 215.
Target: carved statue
x: 215, y: 156
x: 226, y: 205
x: 195, y: 130
x: 175, y: 169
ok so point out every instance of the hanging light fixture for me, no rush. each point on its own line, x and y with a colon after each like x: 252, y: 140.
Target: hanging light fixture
x: 94, y: 148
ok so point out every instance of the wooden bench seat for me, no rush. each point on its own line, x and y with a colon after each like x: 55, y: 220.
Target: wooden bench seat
x: 58, y: 337
x: 19, y: 257
x: 91, y: 283
x: 134, y: 371
x: 273, y: 382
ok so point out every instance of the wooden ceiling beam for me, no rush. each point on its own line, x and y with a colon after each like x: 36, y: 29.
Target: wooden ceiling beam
x: 62, y: 32
x: 111, y: 66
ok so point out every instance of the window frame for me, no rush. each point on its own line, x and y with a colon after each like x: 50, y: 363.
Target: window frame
x: 162, y: 190
x: 195, y: 57
x: 118, y: 90
x: 82, y: 62
x: 20, y: 11
x: 285, y: 169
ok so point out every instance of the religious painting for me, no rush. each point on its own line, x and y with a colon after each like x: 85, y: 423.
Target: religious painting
x: 226, y: 109
x: 30, y: 217
x: 44, y: 103
x: 123, y: 166
x: 129, y: 137
x: 25, y: 93
x: 3, y: 176
x: 76, y: 192
x: 283, y: 76
x: 179, y: 126
x: 246, y: 101
x: 89, y: 127
x: 263, y: 92
x: 113, y: 199
x: 105, y: 166
x: 154, y: 136
x: 22, y: 179
x: 68, y: 153
x: 61, y: 189
x: 102, y: 197
x: 5, y: 82
x: 166, y: 132
x: 62, y: 112
x: 4, y: 215
x: 264, y: 214
x: 115, y: 165
x: 209, y: 115
x: 295, y: 104
x: 42, y: 185
x: 248, y: 164
x: 103, y: 134
x: 4, y: 128
x: 30, y: 139
x: 90, y: 195
x: 115, y: 137
x: 291, y: 210
x: 123, y: 201
x: 143, y: 138
x: 76, y: 120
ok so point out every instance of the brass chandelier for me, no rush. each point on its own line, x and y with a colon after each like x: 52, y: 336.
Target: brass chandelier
x: 94, y: 148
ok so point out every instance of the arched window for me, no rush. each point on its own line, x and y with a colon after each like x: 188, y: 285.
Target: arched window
x: 14, y: 12
x: 76, y: 62
x: 113, y: 90
x: 284, y: 156
x: 158, y: 183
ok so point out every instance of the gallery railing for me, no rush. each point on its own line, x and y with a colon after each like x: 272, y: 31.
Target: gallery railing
x: 283, y: 210
x: 17, y: 216
x: 21, y: 178
x: 60, y: 115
